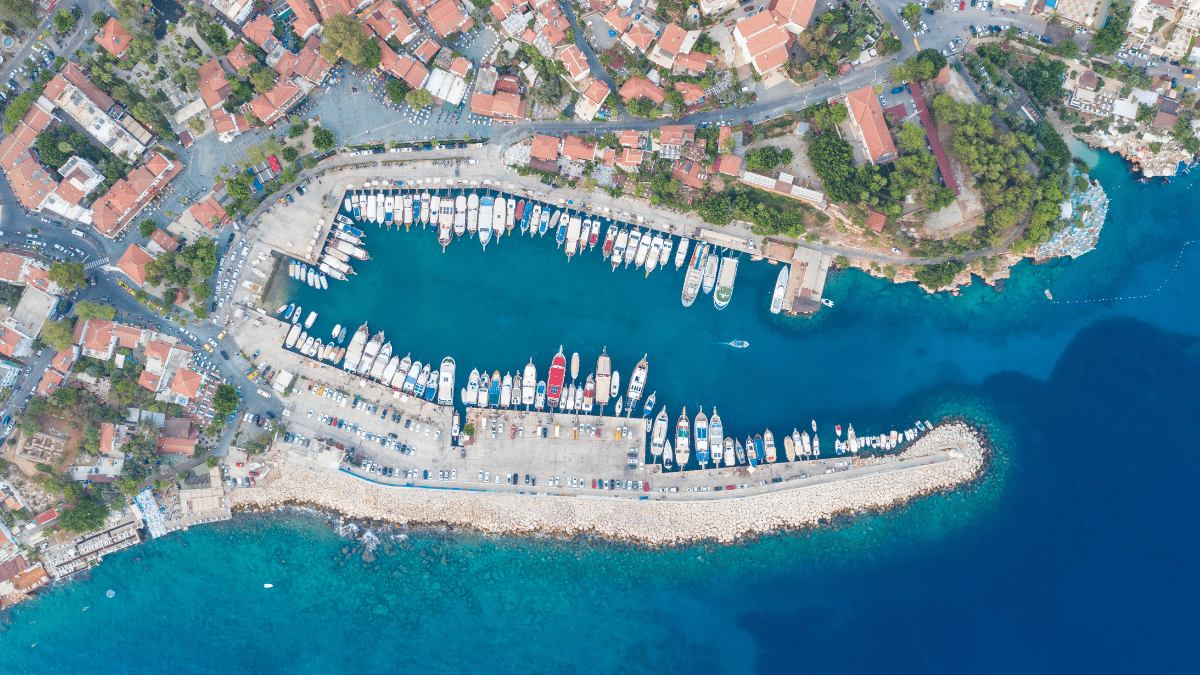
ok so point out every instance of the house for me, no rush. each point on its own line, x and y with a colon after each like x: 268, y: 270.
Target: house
x: 306, y: 22
x: 133, y: 263
x: 388, y: 20
x: 638, y: 37
x: 796, y: 14
x: 213, y: 86
x: 577, y: 149
x: 208, y: 212
x: 14, y: 341
x: 545, y: 148
x: 575, y: 63
x: 128, y: 196
x: 689, y: 172
x: 640, y: 87
x: 179, y: 437
x: 46, y: 518
x: 31, y: 183
x: 307, y: 69
x: 630, y: 159
x: 237, y: 10
x: 239, y: 58
x: 692, y: 93
x: 866, y: 116
x: 693, y: 63
x: 96, y: 338
x: 261, y: 31
x: 875, y: 220
x: 24, y: 269
x: 270, y: 107
x: 673, y: 138
x: 675, y: 41
x: 763, y: 41
x: 114, y: 38
x: 1164, y: 120
x: 426, y: 50
x: 498, y: 105
x: 725, y: 133
x: 593, y: 97
x: 63, y: 360
x: 619, y: 22
x: 331, y: 8
x: 405, y: 68
x: 50, y: 382
x: 730, y: 165
x: 229, y: 125
x: 74, y: 94
x: 185, y: 386
x: 448, y: 16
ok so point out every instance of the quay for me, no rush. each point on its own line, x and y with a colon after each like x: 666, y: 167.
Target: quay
x: 806, y: 283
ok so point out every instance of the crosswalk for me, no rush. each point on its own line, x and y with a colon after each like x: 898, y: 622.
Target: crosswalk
x: 96, y: 263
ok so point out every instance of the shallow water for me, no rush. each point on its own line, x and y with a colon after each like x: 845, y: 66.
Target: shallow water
x: 1075, y: 554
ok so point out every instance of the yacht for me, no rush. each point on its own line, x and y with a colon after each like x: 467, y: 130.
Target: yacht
x: 473, y: 213
x: 637, y: 382
x: 710, y: 273
x: 631, y: 250
x: 529, y: 384
x: 603, y: 378
x: 716, y: 437
x: 470, y: 395
x: 683, y: 433
x: 618, y: 251
x: 695, y: 272
x: 658, y: 436
x: 781, y: 283
x: 656, y: 249
x: 397, y: 382
x: 725, y: 281
x: 700, y: 431
x: 681, y: 255
x: 445, y: 388
x: 460, y: 216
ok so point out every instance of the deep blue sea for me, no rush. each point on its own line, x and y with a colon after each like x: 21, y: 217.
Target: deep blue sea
x: 1076, y: 554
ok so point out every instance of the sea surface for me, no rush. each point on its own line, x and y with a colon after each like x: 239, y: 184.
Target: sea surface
x: 1075, y: 554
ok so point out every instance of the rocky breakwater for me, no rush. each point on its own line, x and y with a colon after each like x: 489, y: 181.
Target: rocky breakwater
x: 650, y: 521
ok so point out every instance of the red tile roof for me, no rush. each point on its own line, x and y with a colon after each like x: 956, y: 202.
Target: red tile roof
x: 596, y: 92
x: 214, y: 88
x: 272, y: 105
x: 62, y: 361
x: 164, y: 240
x: 672, y: 39
x: 114, y: 38
x: 618, y: 22
x: 867, y: 115
x: 578, y: 149
x: 133, y: 263
x: 50, y: 382
x: 499, y: 104
x: 31, y: 184
x: 128, y: 336
x: 329, y: 8
x: 260, y: 30
x: 640, y: 87
x: 575, y: 62
x: 693, y: 61
x: 208, y: 212
x: 766, y: 40
x: 427, y: 50
x: 149, y: 380
x: 306, y: 21
x: 729, y: 165
x: 692, y: 94
x: 876, y: 220
x: 128, y: 196
x: 798, y: 13
x: 108, y: 435
x: 46, y: 517
x: 187, y: 383
x: 545, y: 147
x: 640, y: 35
x: 447, y: 16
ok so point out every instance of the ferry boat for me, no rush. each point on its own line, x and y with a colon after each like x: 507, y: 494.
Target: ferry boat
x: 594, y: 237
x: 615, y: 387
x: 603, y: 378
x: 631, y: 249
x: 701, y: 432
x: 781, y: 283
x: 658, y: 434
x: 410, y: 378
x: 643, y: 252
x: 618, y: 252
x: 389, y: 371
x: 730, y: 459
x: 470, y: 395
x: 681, y: 255
x: 691, y: 282
x: 473, y: 213
x: 710, y: 273
x: 486, y: 206
x: 683, y: 432
x: 573, y: 229
x: 539, y: 400
x: 610, y: 238
x: 739, y: 451
x: 560, y: 235
x: 558, y: 372
x: 355, y: 351
x: 617, y: 409
x: 648, y: 409
x: 510, y: 216
x: 668, y: 456
x: 656, y: 247
x: 498, y: 212
x: 426, y: 206
x: 665, y: 254
x: 485, y: 385
x: 293, y: 334
x: 637, y: 382
x: 529, y: 384
x: 522, y: 217
x: 445, y: 389
x: 506, y: 391
x: 460, y: 216
x: 725, y: 282
x: 760, y: 451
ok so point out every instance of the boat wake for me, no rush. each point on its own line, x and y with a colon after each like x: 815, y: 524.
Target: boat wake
x: 738, y: 344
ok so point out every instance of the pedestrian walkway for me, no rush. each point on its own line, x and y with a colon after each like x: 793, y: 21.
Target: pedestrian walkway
x: 96, y: 263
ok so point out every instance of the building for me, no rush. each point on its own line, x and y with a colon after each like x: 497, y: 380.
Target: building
x: 9, y: 373
x: 270, y: 107
x: 501, y: 105
x: 213, y: 86
x: 179, y: 437
x: 763, y: 41
x: 426, y: 50
x: 229, y: 125
x: 692, y: 93
x: 545, y: 148
x: 114, y: 38
x: 1088, y: 80
x: 237, y: 10
x: 119, y: 206
x: 866, y: 116
x: 24, y: 269
x: 306, y: 22
x: 133, y: 263
x: 404, y: 67
x: 796, y: 14
x: 675, y: 42
x: 239, y: 58
x: 331, y: 8
x: 575, y: 63
x: 185, y: 386
x: 640, y: 87
x: 577, y: 149
x: 619, y: 22
x: 96, y: 338
x: 208, y: 212
x: 448, y: 16
x: 593, y: 98
x: 387, y: 20
x: 30, y: 182
x: 638, y: 38
x: 75, y: 95
x: 1086, y: 13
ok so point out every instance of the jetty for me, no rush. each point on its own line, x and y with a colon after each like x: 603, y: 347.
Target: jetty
x: 807, y: 281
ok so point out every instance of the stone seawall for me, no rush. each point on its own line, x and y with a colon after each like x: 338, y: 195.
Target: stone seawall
x: 649, y: 521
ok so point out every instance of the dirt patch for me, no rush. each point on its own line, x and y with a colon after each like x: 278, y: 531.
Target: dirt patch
x: 958, y: 90
x: 963, y: 214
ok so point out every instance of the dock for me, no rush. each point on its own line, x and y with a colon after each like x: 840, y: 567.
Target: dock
x: 807, y: 280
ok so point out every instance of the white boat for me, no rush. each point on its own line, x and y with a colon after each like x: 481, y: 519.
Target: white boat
x: 354, y: 351
x: 370, y: 214
x: 324, y: 281
x: 536, y: 219
x: 312, y: 318
x: 529, y: 384
x: 470, y: 395
x: 615, y: 387
x: 347, y: 205
x: 389, y: 371
x: 594, y: 236
x: 381, y: 361
x: 710, y: 273
x: 389, y: 209
x: 473, y: 213
x: 578, y: 400
x: 700, y: 431
x: 617, y: 409
x: 632, y: 248
x: 716, y: 437
x: 336, y: 329
x: 656, y: 250
x: 573, y: 228
x: 725, y: 279
x: 379, y: 210
x: 639, y: 258
x: 498, y: 211
x: 460, y: 216
x: 408, y: 210
x: 422, y: 381
x: 426, y: 204
x: 293, y: 333
x: 434, y: 210
x: 665, y: 256
x: 486, y: 205
x: 510, y: 215
x: 506, y: 391
x: 446, y: 382
x: 584, y: 232
x: 410, y: 379
x: 369, y: 353
x: 603, y: 378
x: 658, y: 436
x: 637, y: 382
x: 681, y: 255
x: 351, y: 250
x: 781, y: 283
x: 618, y: 252
x: 308, y: 345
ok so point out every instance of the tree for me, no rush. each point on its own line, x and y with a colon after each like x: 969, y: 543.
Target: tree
x: 290, y: 154
x: 310, y: 162
x: 238, y: 187
x: 66, y: 396
x: 297, y: 130
x: 30, y: 425
x: 91, y: 310
x: 372, y: 55
x: 344, y: 36
x: 323, y: 139
x: 934, y: 277
x: 87, y: 515
x: 68, y: 275
x: 225, y: 400
x: 833, y: 160
x: 147, y: 227
x: 64, y: 21
x: 417, y: 99
x: 1112, y: 36
x: 910, y: 11
x: 397, y: 90
x: 200, y: 255
x: 263, y: 80
x: 58, y: 334
x: 503, y: 60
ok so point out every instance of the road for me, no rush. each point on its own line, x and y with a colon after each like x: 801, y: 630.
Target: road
x: 64, y: 48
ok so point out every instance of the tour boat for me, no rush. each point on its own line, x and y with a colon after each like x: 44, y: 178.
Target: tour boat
x: 665, y: 254
x: 716, y: 437
x: 658, y: 435
x: 529, y: 384
x: 618, y: 251
x: 769, y: 445
x: 595, y: 235
x: 558, y: 372
x: 631, y: 250
x: 701, y: 434
x: 637, y: 382
x: 603, y: 378
x: 681, y: 255
x: 610, y: 238
x: 683, y: 433
x: 655, y: 251
x: 445, y: 389
x: 473, y: 213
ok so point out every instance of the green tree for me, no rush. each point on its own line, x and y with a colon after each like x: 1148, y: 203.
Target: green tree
x: 64, y: 21
x: 85, y: 310
x: 417, y: 99
x: 309, y: 161
x: 147, y: 227
x: 397, y: 90
x: 66, y: 396
x: 372, y: 55
x: 86, y: 515
x: 290, y: 154
x: 238, y: 187
x: 201, y: 256
x: 934, y: 277
x: 68, y: 275
x: 263, y: 80
x: 344, y: 36
x: 1110, y: 38
x: 322, y: 138
x: 225, y: 400
x: 58, y: 334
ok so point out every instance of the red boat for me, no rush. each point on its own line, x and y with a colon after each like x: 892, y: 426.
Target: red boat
x: 609, y: 239
x: 558, y: 372
x: 520, y: 214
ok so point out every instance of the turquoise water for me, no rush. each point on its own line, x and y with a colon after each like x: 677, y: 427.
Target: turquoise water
x: 1075, y: 554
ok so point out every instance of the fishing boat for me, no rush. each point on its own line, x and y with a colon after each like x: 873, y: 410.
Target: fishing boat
x: 631, y: 249
x: 558, y: 372
x: 594, y: 237
x: 445, y: 388
x: 618, y: 251
x: 725, y: 281
x: 710, y: 273
x: 573, y: 229
x: 751, y: 454
x: 485, y: 384
x: 521, y: 217
x: 668, y: 456
x: 560, y: 235
x: 649, y: 407
x: 637, y: 382
x: 610, y: 238
x: 683, y: 433
x: 539, y: 400
x: 460, y: 216
x: 355, y: 351
x: 510, y: 214
x: 470, y: 395
x: 656, y: 248
x: 426, y: 205
x: 701, y: 433
x: 486, y: 206
x: 410, y: 379
x: 473, y: 213
x: 506, y: 391
x: 814, y: 426
x: 781, y: 283
x: 615, y: 386
x: 789, y: 448
x: 568, y: 398
x: 827, y: 302
x: 681, y: 255
x: 292, y: 336
x: 498, y: 216
x: 816, y: 446
x: 639, y: 258
x: 739, y: 451
x: 665, y: 254
x: 288, y: 312
x: 544, y: 224
x: 529, y: 384
x: 357, y: 211
x: 658, y: 434
x: 695, y: 271
x: 603, y: 378
x: 431, y: 387
x: 760, y: 450
x: 620, y: 402
x: 730, y: 458
x: 380, y: 209
x: 297, y: 314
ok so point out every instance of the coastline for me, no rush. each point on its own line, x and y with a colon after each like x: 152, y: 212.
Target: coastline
x: 651, y: 522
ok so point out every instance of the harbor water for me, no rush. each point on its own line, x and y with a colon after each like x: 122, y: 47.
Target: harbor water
x: 1075, y: 554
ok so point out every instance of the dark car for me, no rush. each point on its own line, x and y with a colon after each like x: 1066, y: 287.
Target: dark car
x: 224, y: 354
x: 1047, y: 39
x: 462, y: 145
x: 427, y: 147
x: 929, y: 11
x: 897, y: 90
x: 1186, y: 71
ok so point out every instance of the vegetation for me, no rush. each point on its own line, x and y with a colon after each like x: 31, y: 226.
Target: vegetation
x: 937, y: 276
x: 323, y: 139
x: 86, y: 515
x: 59, y: 334
x: 194, y: 261
x: 1042, y: 80
x: 396, y: 90
x: 85, y: 310
x: 416, y: 99
x: 147, y: 227
x: 225, y: 401
x: 1110, y: 38
x: 765, y: 159
x: 344, y: 36
x: 68, y: 275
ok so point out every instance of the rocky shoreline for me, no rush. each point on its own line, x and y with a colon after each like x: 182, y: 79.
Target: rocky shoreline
x: 647, y: 522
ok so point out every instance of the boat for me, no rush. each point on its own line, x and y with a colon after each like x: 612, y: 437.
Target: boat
x: 1048, y: 295
x: 789, y: 448
x: 584, y: 234
x: 293, y: 334
x: 445, y: 389
x: 852, y: 441
x: 631, y: 249
x: 460, y: 216
x: 369, y: 353
x: 510, y: 215
x: 751, y: 454
x: 760, y: 450
x: 730, y: 458
x: 681, y: 255
x: 456, y: 427
x: 658, y: 434
x: 346, y: 204
x: 617, y: 410
x: 498, y: 216
x: 643, y: 251
x: 573, y: 229
x: 389, y: 371
x: 426, y: 205
x: 716, y: 437
x: 637, y: 382
x: 342, y: 336
x: 610, y: 238
x: 297, y: 314
x: 485, y: 385
x: 529, y: 384
x: 827, y: 302
x: 665, y: 254
x: 574, y: 365
x: 700, y: 431
x: 355, y: 351
x: 710, y: 273
x: 539, y: 399
x: 649, y: 407
x: 568, y: 398
x: 577, y: 400
x: 594, y: 237
x: 357, y: 211
x: 470, y: 395
x: 801, y: 443
x: 683, y: 433
x: 814, y: 426
x: 486, y: 206
x: 558, y: 372
x: 668, y: 456
x: 506, y: 391
x: 618, y: 251
x: 725, y: 281
x: 306, y: 343
x: 408, y: 211
x: 603, y: 378
x: 838, y: 428
x: 389, y: 209
x: 324, y: 281
x: 381, y: 361
x: 350, y: 250
x: 691, y: 282
x: 781, y: 283
x: 544, y: 223
x: 473, y: 213
x: 288, y: 312
x: 535, y: 218
x: 615, y: 387
x: 310, y: 275
x: 312, y: 318
x: 739, y: 451
x: 816, y: 446
x: 656, y: 248
x: 410, y: 379
x: 380, y: 209
x: 370, y: 214
x: 422, y: 381
x: 560, y: 234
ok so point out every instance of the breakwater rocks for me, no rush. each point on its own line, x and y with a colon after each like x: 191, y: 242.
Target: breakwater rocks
x: 652, y: 521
